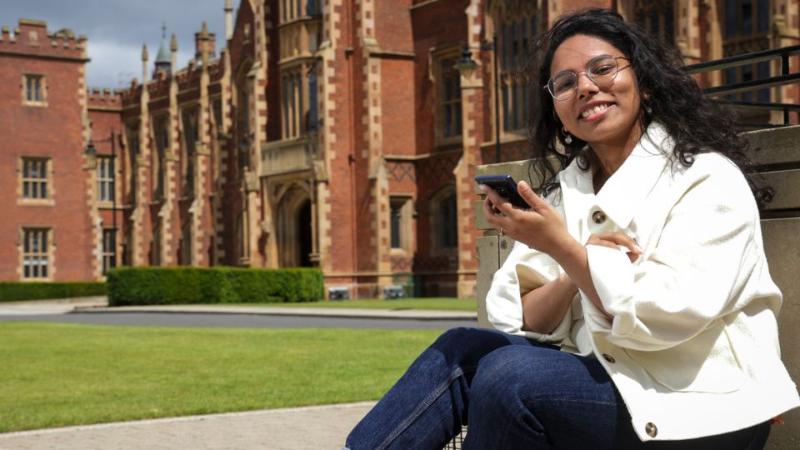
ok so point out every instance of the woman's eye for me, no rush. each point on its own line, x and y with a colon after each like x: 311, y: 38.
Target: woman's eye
x: 564, y: 85
x: 602, y: 69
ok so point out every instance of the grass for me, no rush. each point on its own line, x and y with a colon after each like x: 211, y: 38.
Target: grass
x: 441, y: 304
x: 61, y: 374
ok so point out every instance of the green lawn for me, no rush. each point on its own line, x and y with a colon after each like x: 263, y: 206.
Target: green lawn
x: 61, y: 374
x: 442, y: 304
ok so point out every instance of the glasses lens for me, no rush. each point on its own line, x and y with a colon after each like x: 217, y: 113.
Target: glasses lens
x: 563, y: 85
x: 602, y: 70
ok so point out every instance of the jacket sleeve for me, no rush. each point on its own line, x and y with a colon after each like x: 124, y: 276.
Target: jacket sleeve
x: 525, y: 269
x: 692, y: 274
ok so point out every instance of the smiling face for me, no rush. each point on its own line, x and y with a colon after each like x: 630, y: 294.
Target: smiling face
x: 604, y: 116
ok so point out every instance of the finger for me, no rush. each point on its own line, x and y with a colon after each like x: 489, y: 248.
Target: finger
x: 602, y: 243
x: 621, y: 239
x: 527, y: 194
x: 500, y: 203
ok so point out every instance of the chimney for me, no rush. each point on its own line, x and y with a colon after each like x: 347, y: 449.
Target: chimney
x: 228, y: 19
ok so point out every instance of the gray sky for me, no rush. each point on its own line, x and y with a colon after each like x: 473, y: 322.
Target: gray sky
x: 117, y: 29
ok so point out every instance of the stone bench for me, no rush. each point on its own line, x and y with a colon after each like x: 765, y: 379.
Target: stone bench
x: 779, y: 163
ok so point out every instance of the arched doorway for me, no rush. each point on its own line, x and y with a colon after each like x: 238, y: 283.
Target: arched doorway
x: 294, y: 220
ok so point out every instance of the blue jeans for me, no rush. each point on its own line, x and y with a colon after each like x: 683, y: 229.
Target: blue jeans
x: 515, y: 394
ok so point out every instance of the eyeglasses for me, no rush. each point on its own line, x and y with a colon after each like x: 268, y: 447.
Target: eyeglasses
x: 601, y: 70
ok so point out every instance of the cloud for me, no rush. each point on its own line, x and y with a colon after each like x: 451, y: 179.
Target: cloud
x: 114, y: 65
x: 117, y: 29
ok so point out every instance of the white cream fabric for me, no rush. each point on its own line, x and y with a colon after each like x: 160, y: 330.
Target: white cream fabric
x: 693, y: 344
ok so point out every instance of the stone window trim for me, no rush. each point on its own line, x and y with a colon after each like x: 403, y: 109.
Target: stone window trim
x: 438, y: 73
x: 34, y: 89
x: 36, y: 249
x: 35, y: 190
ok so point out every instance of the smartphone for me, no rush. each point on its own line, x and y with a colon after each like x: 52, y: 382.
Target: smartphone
x: 505, y: 186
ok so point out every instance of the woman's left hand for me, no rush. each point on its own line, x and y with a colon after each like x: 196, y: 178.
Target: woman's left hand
x: 540, y: 227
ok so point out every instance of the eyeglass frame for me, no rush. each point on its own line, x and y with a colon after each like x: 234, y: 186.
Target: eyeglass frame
x: 588, y: 75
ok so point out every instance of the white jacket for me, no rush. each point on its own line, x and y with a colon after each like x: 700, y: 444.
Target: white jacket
x: 693, y: 344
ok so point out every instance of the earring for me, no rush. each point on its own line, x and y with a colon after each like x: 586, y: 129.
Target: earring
x: 567, y: 137
x: 648, y: 109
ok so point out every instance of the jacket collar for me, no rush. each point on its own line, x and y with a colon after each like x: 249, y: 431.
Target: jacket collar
x: 624, y: 191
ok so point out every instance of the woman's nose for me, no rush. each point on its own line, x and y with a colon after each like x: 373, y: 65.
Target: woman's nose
x: 585, y: 85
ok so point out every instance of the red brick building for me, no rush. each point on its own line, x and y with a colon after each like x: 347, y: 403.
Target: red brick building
x: 339, y: 134
x: 47, y: 232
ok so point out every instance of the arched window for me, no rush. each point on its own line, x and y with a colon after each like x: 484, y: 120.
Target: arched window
x: 657, y: 17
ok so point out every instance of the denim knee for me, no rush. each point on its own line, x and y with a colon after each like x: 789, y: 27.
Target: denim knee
x: 501, y: 386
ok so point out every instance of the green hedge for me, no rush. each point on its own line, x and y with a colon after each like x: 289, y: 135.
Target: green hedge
x: 184, y: 285
x: 12, y: 290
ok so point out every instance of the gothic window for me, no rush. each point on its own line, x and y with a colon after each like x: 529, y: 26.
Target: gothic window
x: 516, y: 39
x: 155, y: 246
x: 295, y: 9
x: 292, y: 102
x: 190, y: 138
x: 657, y: 18
x: 159, y: 159
x: 746, y: 29
x: 243, y: 125
x: 186, y: 244
x: 448, y: 100
x: 109, y: 249
x: 132, y: 134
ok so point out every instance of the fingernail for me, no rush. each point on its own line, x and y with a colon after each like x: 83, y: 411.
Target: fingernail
x: 638, y: 249
x: 482, y: 187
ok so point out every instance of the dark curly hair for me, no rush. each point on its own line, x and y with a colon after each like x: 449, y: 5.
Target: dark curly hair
x: 669, y: 94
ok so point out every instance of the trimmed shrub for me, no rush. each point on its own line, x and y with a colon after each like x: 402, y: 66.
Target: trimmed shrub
x: 13, y: 290
x: 185, y: 285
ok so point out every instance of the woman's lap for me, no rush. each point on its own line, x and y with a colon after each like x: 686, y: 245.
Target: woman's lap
x: 514, y: 393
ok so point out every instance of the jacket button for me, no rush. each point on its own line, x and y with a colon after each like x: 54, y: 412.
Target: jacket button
x: 598, y: 217
x: 609, y: 358
x: 650, y: 429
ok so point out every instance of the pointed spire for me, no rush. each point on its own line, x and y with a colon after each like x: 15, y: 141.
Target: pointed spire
x: 163, y: 58
x: 145, y: 57
x: 204, y: 30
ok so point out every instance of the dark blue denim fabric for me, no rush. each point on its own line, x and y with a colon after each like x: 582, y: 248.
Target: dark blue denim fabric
x: 513, y: 393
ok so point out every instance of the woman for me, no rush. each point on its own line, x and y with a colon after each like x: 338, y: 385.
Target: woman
x: 636, y: 309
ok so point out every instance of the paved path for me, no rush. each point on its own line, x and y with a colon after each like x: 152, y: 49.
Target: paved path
x: 309, y: 428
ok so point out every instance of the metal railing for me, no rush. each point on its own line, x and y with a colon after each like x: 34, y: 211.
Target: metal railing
x: 784, y: 78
